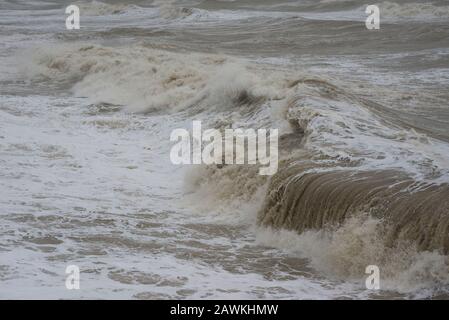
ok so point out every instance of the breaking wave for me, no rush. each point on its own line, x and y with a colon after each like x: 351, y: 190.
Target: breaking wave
x: 353, y: 188
x: 143, y: 79
x: 345, y: 251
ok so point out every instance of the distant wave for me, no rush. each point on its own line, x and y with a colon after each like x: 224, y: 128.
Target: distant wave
x: 97, y: 8
x: 415, y: 10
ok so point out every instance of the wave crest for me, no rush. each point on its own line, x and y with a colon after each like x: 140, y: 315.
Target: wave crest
x: 144, y: 79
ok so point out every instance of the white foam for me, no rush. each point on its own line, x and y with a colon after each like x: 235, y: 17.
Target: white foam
x: 345, y: 253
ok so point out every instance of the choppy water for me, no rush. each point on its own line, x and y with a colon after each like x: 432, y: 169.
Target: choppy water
x: 86, y: 179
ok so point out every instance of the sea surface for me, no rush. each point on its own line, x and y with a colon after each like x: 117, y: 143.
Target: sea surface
x: 85, y: 171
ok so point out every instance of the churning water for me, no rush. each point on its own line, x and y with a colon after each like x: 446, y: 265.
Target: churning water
x: 86, y: 177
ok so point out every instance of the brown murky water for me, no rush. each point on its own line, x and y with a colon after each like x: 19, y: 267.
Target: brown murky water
x: 86, y: 178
